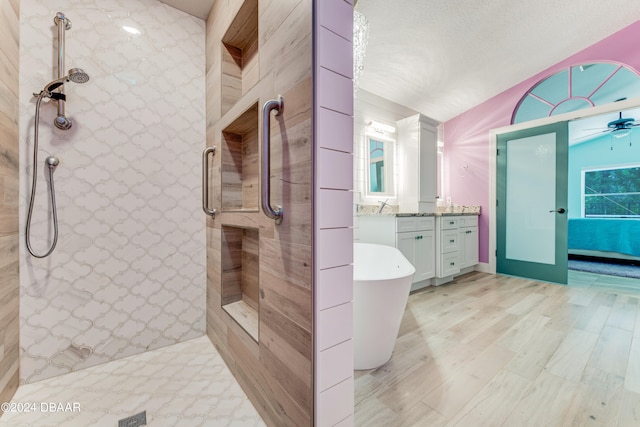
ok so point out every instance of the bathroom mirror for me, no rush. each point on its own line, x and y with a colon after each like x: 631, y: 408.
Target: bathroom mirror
x: 380, y: 165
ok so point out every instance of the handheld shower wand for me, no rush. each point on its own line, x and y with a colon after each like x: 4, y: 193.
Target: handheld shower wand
x: 76, y: 75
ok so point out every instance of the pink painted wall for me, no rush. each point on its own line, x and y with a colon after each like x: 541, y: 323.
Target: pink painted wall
x: 467, y: 156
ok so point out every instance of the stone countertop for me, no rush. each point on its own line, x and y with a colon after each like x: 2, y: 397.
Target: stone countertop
x: 444, y: 211
x: 476, y: 213
x: 408, y: 214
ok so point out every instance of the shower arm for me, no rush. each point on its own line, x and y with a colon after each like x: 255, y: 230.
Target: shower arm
x: 63, y: 24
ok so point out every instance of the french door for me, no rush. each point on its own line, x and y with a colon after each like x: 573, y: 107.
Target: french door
x: 531, y: 203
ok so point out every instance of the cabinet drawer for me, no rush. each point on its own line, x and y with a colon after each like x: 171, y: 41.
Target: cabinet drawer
x: 426, y: 223
x: 449, y: 265
x: 468, y: 221
x: 405, y: 224
x: 414, y: 223
x: 449, y: 222
x: 449, y: 241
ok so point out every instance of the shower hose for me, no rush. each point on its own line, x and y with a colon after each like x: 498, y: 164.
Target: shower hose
x: 51, y: 162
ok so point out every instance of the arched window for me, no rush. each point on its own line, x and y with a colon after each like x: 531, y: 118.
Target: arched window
x: 577, y: 87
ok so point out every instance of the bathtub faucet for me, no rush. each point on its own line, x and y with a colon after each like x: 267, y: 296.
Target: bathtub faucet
x: 382, y: 205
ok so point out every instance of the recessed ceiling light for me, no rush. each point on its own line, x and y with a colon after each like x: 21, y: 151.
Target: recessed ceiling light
x: 131, y: 30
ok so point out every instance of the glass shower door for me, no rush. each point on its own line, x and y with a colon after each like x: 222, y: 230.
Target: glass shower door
x: 532, y: 201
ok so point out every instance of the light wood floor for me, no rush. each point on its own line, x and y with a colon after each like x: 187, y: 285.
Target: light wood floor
x: 602, y: 282
x: 492, y: 350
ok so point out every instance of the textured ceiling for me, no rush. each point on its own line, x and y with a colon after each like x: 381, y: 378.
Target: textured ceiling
x: 443, y: 57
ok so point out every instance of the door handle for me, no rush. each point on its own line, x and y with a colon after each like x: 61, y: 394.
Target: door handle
x: 559, y: 210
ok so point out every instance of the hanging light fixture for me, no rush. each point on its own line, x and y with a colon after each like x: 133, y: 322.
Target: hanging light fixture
x: 621, y: 133
x: 360, y: 40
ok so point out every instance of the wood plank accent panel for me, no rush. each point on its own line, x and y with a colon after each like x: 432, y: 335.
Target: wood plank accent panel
x: 267, y: 36
x: 333, y: 212
x: 9, y: 234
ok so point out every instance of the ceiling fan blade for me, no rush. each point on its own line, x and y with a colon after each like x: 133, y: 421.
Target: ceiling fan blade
x: 594, y: 134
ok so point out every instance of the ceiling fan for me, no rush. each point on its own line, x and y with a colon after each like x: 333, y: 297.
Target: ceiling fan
x: 621, y: 127
x: 618, y: 128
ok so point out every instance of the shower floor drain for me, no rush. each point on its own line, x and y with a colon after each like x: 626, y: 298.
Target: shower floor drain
x: 134, y: 420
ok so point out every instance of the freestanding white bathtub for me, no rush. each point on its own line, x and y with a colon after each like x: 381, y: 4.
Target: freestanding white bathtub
x: 382, y: 281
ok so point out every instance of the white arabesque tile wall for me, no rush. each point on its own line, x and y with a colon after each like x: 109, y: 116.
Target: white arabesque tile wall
x: 333, y: 217
x: 128, y: 274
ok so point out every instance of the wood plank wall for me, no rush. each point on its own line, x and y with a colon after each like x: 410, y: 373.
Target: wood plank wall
x: 333, y: 194
x: 276, y: 372
x: 9, y: 279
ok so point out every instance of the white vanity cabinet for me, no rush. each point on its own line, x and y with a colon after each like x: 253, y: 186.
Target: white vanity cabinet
x: 414, y: 236
x: 417, y: 153
x: 456, y: 244
x: 438, y: 247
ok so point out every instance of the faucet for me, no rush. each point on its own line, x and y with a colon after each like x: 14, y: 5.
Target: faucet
x: 382, y: 205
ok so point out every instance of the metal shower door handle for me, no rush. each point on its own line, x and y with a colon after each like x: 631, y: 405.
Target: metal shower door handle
x: 277, y: 105
x: 559, y: 210
x: 205, y: 181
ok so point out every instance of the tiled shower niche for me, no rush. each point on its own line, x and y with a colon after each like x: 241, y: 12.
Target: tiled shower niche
x: 241, y: 276
x: 259, y: 295
x: 240, y: 69
x: 240, y: 163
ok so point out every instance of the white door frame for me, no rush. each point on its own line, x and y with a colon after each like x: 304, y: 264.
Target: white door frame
x: 573, y: 115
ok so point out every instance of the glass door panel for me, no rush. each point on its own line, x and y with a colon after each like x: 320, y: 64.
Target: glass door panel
x: 532, y: 200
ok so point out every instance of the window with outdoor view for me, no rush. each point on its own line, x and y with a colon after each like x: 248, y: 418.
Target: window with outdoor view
x: 612, y: 192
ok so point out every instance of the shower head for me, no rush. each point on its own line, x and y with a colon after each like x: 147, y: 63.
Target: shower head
x: 76, y: 75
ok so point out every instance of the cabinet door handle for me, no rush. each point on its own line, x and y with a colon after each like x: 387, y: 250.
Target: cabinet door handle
x: 452, y: 263
x: 205, y: 181
x: 452, y: 241
x: 266, y: 159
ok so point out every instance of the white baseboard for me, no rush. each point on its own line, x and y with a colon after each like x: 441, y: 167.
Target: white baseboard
x: 483, y: 267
